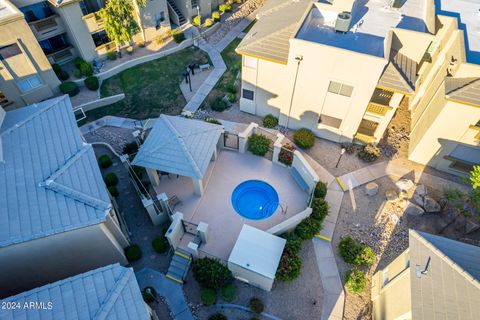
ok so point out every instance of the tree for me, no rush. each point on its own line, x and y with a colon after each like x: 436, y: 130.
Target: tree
x: 461, y: 203
x: 118, y: 20
x: 475, y: 177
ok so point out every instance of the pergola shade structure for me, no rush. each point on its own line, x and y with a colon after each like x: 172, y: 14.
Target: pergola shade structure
x: 180, y: 146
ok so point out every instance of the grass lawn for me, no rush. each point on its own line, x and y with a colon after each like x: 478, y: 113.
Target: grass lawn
x: 150, y: 89
x: 234, y: 62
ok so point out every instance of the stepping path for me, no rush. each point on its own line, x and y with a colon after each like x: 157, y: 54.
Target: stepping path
x: 171, y: 291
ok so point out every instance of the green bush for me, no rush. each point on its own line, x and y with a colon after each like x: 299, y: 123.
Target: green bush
x: 208, y: 23
x: 319, y: 209
x: 229, y: 293
x: 178, y: 36
x: 210, y: 273
x: 130, y: 148
x: 104, y: 161
x: 208, y: 296
x: 138, y: 171
x: 78, y: 62
x: 133, y: 253
x: 111, y: 179
x: 320, y: 190
x: 355, y: 253
x: 308, y: 228
x: 56, y: 68
x: 231, y: 97
x: 286, y: 154
x: 160, y: 244
x: 113, y: 191
x: 212, y: 120
x: 270, y: 121
x: 217, y: 316
x: 232, y: 88
x: 77, y: 73
x: 130, y: 50
x: 86, y: 69
x: 224, y: 8
x: 355, y: 281
x: 258, y: 144
x: 304, y: 138
x: 289, y: 267
x: 256, y: 305
x: 294, y: 243
x: 91, y: 83
x: 112, y: 55
x: 197, y: 21
x: 216, y: 16
x: 370, y: 153
x: 150, y: 296
x: 63, y: 75
x: 219, y: 105
x: 70, y: 88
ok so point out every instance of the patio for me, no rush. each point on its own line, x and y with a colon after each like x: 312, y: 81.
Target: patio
x: 215, y: 208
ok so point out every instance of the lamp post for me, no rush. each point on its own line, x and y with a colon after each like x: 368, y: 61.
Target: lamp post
x: 186, y: 75
x: 198, y: 11
x: 339, y: 158
x: 298, y: 59
x: 150, y: 293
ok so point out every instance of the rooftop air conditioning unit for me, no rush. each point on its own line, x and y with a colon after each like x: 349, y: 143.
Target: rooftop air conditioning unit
x: 343, y: 22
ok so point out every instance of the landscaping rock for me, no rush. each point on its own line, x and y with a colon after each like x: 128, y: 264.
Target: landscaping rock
x: 418, y: 199
x: 371, y: 188
x: 413, y: 210
x: 404, y: 184
x: 391, y: 195
x: 431, y: 205
x: 421, y: 190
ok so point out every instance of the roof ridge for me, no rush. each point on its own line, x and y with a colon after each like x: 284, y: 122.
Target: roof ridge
x: 465, y: 85
x: 393, y: 61
x: 279, y: 6
x: 267, y: 36
x: 113, y: 294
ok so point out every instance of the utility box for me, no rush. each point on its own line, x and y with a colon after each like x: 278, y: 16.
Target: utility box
x: 343, y: 22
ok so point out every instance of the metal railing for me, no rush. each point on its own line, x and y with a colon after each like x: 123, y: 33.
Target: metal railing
x: 378, y: 109
x: 44, y: 24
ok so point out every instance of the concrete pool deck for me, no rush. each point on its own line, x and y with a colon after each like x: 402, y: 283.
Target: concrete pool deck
x: 215, y: 208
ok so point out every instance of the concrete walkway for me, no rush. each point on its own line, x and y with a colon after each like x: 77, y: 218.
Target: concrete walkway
x: 171, y: 291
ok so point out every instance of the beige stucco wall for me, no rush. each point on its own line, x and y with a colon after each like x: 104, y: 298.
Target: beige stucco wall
x: 31, y: 61
x: 148, y: 22
x: 41, y: 261
x: 250, y: 277
x: 393, y: 299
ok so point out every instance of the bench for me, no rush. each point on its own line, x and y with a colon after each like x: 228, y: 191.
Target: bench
x: 204, y: 67
x: 296, y: 175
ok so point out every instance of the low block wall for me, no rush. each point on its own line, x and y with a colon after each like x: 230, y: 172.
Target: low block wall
x: 305, y: 170
x: 102, y: 102
x: 290, y: 223
x: 244, y: 135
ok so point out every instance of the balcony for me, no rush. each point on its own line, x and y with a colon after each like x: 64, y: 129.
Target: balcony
x: 383, y: 101
x: 61, y: 56
x: 378, y: 109
x: 93, y: 22
x: 47, y: 27
x: 103, y: 49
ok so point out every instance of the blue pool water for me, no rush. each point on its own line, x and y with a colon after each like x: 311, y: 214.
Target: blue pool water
x: 255, y: 199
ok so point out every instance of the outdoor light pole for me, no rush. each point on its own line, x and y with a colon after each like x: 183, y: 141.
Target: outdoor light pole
x: 339, y: 158
x: 198, y: 10
x: 298, y: 59
x: 186, y: 75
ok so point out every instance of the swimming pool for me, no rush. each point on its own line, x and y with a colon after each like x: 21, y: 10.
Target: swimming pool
x: 255, y: 199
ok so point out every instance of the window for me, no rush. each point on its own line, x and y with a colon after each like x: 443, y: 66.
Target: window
x: 3, y: 99
x: 340, y: 88
x: 9, y: 51
x: 330, y: 121
x: 247, y: 94
x: 249, y: 62
x: 29, y: 83
x: 461, y: 166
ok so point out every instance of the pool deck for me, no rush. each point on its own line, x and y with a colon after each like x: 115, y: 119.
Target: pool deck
x: 215, y: 208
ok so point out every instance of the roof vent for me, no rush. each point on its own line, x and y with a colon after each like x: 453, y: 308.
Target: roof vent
x: 343, y: 21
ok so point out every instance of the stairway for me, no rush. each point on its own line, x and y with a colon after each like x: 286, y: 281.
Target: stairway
x: 180, y: 16
x: 179, y: 266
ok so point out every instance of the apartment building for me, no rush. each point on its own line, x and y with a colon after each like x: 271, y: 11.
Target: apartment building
x: 110, y: 292
x: 342, y: 67
x: 56, y: 216
x: 435, y: 278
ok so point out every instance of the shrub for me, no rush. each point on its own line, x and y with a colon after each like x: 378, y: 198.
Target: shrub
x: 355, y: 253
x: 149, y: 296
x: 77, y: 73
x: 197, y: 21
x: 133, y: 253
x: 370, y: 153
x: 208, y: 296
x: 130, y: 148
x: 232, y: 88
x: 138, y: 171
x: 258, y: 144
x: 238, y: 1
x: 86, y: 69
x: 256, y: 305
x: 130, y: 50
x: 113, y: 191
x: 160, y: 244
x: 177, y: 35
x: 208, y: 23
x: 320, y: 190
x: 78, y: 62
x: 270, y: 121
x: 217, y: 316
x: 304, y: 138
x: 231, y: 97
x: 294, y: 243
x: 219, y: 105
x: 349, y: 147
x: 216, y: 16
x: 212, y: 120
x: 308, y: 228
x: 286, y: 154
x: 289, y: 267
x: 141, y: 44
x: 210, y: 273
x: 70, y: 88
x: 63, y: 75
x: 355, y: 281
x: 91, y: 83
x: 160, y: 40
x: 319, y: 209
x: 112, y: 55
x: 229, y: 293
x: 224, y: 8
x: 111, y: 179
x: 56, y: 68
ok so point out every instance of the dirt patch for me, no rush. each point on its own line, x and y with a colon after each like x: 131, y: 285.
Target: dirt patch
x: 394, y: 143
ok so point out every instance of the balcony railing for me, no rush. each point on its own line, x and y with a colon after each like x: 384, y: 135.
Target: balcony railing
x: 105, y: 48
x: 366, y: 139
x: 378, y: 109
x: 93, y: 21
x: 48, y: 27
x: 61, y: 55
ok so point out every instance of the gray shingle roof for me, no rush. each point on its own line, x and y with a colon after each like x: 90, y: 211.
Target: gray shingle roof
x: 179, y: 145
x: 463, y: 89
x: 58, y: 185
x: 110, y: 292
x: 400, y: 74
x: 450, y: 289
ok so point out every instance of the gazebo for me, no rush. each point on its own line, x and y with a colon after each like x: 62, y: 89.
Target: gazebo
x: 179, y: 146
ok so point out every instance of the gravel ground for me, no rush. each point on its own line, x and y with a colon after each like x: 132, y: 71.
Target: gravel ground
x: 114, y: 136
x: 299, y: 299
